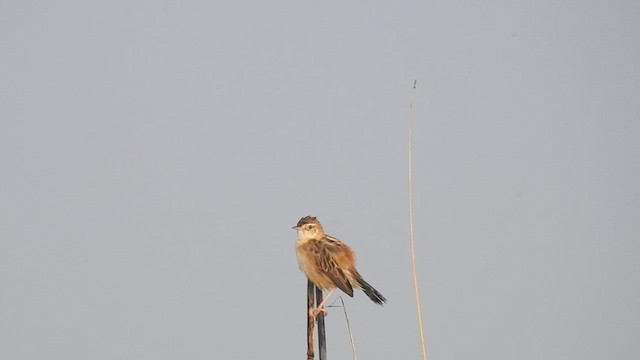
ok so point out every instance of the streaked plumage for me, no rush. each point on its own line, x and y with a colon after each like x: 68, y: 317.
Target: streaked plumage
x: 328, y: 262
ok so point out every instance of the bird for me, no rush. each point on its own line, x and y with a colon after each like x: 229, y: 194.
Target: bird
x: 329, y: 263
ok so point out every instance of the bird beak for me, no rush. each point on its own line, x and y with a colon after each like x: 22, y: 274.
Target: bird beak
x: 296, y: 227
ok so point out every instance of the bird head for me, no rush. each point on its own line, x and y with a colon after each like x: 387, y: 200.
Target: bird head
x: 309, y: 228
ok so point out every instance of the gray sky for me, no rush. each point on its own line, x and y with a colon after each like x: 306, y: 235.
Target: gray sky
x: 155, y: 155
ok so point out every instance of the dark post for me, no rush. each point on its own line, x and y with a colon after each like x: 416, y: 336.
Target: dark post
x: 322, y: 340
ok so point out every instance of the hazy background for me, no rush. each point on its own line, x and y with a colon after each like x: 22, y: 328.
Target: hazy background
x: 155, y: 155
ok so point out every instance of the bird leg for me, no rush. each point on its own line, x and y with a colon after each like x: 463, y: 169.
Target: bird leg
x: 320, y: 308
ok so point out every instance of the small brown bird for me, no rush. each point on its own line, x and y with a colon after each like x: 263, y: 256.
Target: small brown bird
x: 329, y: 263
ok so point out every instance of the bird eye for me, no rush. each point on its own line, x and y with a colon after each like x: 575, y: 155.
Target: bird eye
x: 309, y: 227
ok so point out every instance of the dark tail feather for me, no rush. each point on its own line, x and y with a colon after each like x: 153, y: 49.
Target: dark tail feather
x: 372, y: 293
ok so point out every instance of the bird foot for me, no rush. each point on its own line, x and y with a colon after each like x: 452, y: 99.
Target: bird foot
x: 318, y: 311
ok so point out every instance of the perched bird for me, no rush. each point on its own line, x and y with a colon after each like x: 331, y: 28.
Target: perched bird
x: 329, y: 263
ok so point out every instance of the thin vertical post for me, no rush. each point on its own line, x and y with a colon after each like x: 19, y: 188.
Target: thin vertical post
x: 310, y: 319
x: 416, y: 290
x: 322, y: 340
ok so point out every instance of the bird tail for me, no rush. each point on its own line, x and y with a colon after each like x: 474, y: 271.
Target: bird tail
x: 372, y: 293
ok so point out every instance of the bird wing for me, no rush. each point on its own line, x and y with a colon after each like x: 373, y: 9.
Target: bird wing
x: 327, y: 260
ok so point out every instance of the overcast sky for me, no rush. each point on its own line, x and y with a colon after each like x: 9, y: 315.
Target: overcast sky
x: 155, y: 155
